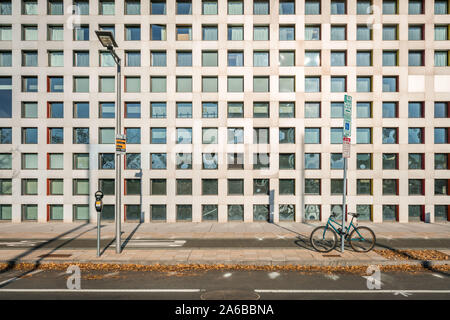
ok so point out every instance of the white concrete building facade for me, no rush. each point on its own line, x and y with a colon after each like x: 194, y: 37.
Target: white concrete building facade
x: 233, y: 110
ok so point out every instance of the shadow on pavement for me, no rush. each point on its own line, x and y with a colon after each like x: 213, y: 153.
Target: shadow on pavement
x: 131, y: 235
x: 13, y: 262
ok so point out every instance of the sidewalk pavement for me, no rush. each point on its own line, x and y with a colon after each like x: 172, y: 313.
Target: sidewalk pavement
x: 208, y: 256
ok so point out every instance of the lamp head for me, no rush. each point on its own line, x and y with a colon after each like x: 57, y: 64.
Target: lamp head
x: 106, y: 38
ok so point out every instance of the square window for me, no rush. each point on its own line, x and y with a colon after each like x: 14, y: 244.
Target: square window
x: 441, y: 58
x: 55, y: 187
x: 158, y: 7
x: 286, y: 109
x: 235, y: 135
x: 81, y: 211
x: 184, y: 84
x: 29, y: 212
x: 133, y: 135
x: 107, y: 110
x: 132, y: 7
x: 209, y: 212
x: 209, y: 58
x: 338, y: 84
x: 287, y: 7
x: 56, y: 211
x: 80, y: 33
x: 261, y: 33
x: 440, y: 135
x: 210, y: 187
x: 158, y: 212
x: 184, y: 187
x: 364, y: 161
x: 30, y: 32
x: 133, y: 58
x: 29, y: 135
x: 261, y: 136
x: 80, y: 84
x: 158, y: 135
x: 390, y: 161
x: 183, y: 161
x: 106, y: 7
x: 363, y: 33
x: 312, y: 58
x: 235, y: 110
x: 236, y: 212
x: 209, y: 7
x: 260, y: 7
x: 312, y: 109
x: 184, y: 58
x: 363, y: 135
x: 338, y: 58
x: 184, y: 6
x: 415, y: 7
x: 29, y: 59
x: 158, y: 58
x: 235, y: 84
x: 55, y: 84
x: 312, y: 7
x: 261, y: 161
x: 336, y: 161
x: 389, y: 6
x: 209, y: 110
x: 107, y: 135
x: 81, y: 58
x: 80, y: 187
x: 5, y: 135
x: 416, y: 135
x: 210, y: 84
x: 390, y: 110
x: 158, y: 84
x: 261, y: 212
x: 6, y: 161
x: 312, y: 135
x: 132, y: 110
x: 338, y: 33
x: 106, y: 161
x: 312, y: 161
x: 312, y: 32
x: 415, y: 32
x: 81, y: 110
x: 416, y: 58
x: 235, y: 7
x: 287, y: 161
x: 132, y: 33
x: 106, y: 84
x: 336, y: 135
x: 365, y: 212
x: 158, y: 187
x: 441, y: 187
x: 29, y: 161
x: 210, y: 161
x: 441, y: 213
x: 81, y: 161
x: 184, y: 212
x: 184, y: 136
x: 364, y: 186
x: 415, y: 110
x: 364, y: 58
x: 29, y: 187
x: 364, y: 110
x: 338, y: 7
x: 286, y: 135
x: 441, y: 161
x: 235, y: 32
x: 210, y: 33
x: 441, y: 7
x: 390, y: 58
x: 390, y: 32
x: 158, y: 32
x: 312, y: 212
x: 416, y: 161
x: 441, y: 110
x: 287, y: 33
x: 107, y: 186
x: 287, y: 186
x: 235, y: 186
x: 390, y: 187
x: 235, y: 58
x: 133, y: 161
x: 287, y: 84
x: 312, y: 84
x: 55, y: 135
x: 184, y: 109
x: 133, y: 212
x: 210, y: 135
x: 158, y: 161
x: 390, y: 84
x: 81, y: 135
x: 235, y: 161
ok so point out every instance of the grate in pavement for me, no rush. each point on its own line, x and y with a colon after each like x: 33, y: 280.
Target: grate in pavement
x: 55, y: 255
x: 332, y: 255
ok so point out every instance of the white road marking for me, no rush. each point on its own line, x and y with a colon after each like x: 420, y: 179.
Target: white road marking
x: 103, y: 290
x: 19, y: 277
x: 227, y: 275
x: 351, y: 291
x: 402, y: 293
x: 23, y: 243
x: 260, y: 239
x: 273, y: 275
x: 332, y: 277
x: 437, y: 275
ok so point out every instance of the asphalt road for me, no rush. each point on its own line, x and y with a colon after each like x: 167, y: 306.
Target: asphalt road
x: 260, y: 243
x: 222, y: 285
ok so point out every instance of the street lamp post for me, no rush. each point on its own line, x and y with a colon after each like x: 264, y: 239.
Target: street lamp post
x: 107, y: 40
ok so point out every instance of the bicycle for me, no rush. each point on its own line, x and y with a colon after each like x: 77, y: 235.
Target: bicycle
x: 324, y: 238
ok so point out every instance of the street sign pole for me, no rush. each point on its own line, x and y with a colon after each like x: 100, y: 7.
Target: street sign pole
x: 98, y: 208
x: 346, y: 154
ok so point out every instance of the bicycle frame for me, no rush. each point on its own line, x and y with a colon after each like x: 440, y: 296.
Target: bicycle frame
x: 346, y: 230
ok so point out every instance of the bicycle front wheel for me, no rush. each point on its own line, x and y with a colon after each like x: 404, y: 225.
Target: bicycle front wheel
x: 323, y: 239
x: 362, y: 239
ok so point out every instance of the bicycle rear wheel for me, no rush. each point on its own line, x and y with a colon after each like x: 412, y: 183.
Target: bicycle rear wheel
x: 362, y: 239
x: 323, y: 239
